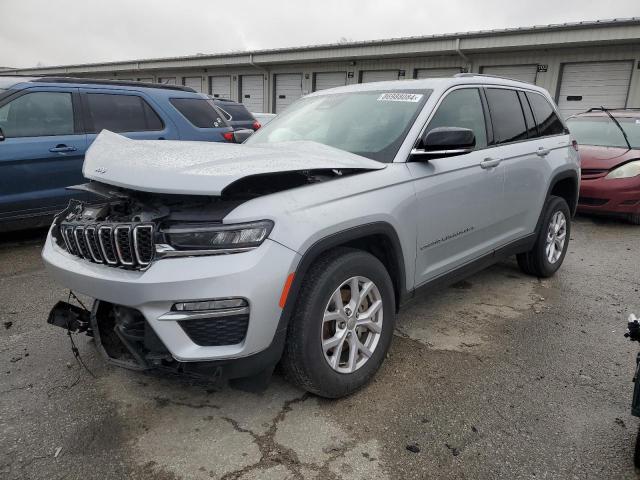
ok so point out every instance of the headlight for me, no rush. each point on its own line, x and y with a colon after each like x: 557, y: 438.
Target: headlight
x: 628, y: 170
x: 190, y: 239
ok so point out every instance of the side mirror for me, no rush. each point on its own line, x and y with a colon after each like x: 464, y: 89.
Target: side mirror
x: 2, y: 137
x: 242, y: 134
x: 446, y: 142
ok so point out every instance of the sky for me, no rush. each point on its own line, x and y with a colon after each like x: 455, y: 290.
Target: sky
x: 61, y: 32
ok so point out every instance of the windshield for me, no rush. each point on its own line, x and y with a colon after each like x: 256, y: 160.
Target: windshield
x: 372, y: 123
x: 602, y: 131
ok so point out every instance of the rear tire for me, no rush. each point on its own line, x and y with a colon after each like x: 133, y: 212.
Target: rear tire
x: 328, y: 321
x: 548, y: 253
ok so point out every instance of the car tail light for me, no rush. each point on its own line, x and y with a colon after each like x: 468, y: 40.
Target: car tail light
x: 574, y: 144
x: 228, y: 136
x: 256, y: 125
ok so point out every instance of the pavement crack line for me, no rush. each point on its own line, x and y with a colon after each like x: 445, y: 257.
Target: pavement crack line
x: 274, y: 454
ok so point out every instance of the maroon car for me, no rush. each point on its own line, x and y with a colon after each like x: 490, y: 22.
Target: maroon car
x: 610, y: 155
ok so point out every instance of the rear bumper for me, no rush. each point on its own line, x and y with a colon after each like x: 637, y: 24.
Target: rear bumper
x: 619, y: 196
x: 257, y: 275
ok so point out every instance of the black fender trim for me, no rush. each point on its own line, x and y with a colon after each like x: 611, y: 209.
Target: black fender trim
x: 572, y: 174
x: 334, y: 240
x: 340, y: 238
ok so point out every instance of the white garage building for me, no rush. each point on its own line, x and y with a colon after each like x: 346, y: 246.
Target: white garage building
x: 582, y: 64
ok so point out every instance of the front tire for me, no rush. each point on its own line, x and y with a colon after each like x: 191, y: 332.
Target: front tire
x: 548, y: 253
x: 342, y: 325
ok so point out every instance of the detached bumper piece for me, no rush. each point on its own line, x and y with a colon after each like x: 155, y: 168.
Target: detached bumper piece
x: 70, y: 317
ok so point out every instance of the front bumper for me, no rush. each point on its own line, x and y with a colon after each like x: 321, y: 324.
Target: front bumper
x: 614, y: 196
x: 258, y: 276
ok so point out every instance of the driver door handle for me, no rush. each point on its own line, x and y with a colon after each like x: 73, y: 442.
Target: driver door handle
x: 489, y: 163
x: 61, y: 148
x: 542, y: 152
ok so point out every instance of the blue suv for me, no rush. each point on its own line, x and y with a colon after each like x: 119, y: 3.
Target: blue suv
x: 47, y: 124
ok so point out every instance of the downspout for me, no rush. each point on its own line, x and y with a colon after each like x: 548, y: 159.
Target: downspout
x: 464, y: 57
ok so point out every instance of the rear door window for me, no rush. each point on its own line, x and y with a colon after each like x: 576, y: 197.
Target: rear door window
x: 462, y: 108
x: 199, y: 111
x: 546, y: 119
x: 120, y: 113
x: 38, y: 114
x: 532, y: 130
x: 507, y: 116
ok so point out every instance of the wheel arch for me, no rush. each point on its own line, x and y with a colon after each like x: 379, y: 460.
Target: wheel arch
x: 563, y: 184
x: 378, y: 238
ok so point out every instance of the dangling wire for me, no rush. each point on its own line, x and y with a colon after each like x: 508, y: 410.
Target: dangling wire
x: 74, y: 348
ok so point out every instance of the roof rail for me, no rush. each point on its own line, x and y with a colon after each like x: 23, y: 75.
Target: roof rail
x: 123, y: 83
x: 471, y: 74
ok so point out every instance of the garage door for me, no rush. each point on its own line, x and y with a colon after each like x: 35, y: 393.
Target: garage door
x: 252, y: 92
x: 378, y: 75
x: 288, y: 90
x: 593, y: 84
x: 193, y: 82
x: 324, y: 80
x: 436, y: 72
x: 221, y: 87
x: 167, y: 80
x: 524, y: 73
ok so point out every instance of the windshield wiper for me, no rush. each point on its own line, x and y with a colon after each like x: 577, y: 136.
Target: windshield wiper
x: 624, y: 134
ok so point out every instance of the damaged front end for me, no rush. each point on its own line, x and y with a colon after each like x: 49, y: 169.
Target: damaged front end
x: 129, y: 230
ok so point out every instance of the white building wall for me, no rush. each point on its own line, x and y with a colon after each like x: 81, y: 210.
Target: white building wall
x: 552, y: 59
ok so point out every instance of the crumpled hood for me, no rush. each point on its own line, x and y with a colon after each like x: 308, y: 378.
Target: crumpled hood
x: 204, y: 168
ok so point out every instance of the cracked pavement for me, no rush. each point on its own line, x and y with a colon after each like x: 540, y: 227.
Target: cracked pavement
x: 498, y: 376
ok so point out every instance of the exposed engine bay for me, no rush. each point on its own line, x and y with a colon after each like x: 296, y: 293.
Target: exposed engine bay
x: 128, y: 228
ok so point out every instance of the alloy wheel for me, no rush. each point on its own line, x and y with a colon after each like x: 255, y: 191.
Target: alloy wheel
x: 556, y: 237
x: 352, y: 324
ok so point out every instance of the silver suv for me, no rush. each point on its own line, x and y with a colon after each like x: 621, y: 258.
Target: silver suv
x: 299, y: 246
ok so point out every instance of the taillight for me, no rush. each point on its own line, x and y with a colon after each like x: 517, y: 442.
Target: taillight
x: 574, y: 144
x: 228, y: 136
x: 256, y: 125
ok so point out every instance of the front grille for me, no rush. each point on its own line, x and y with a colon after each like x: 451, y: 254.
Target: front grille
x: 216, y: 332
x: 121, y: 245
x: 594, y: 202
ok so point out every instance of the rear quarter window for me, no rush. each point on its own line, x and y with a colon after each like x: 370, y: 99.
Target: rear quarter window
x: 199, y: 112
x: 547, y: 121
x: 236, y: 111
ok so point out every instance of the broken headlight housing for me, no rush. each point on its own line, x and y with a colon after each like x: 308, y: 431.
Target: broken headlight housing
x: 212, y: 239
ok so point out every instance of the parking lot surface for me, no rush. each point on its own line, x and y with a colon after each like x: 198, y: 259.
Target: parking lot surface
x: 498, y: 376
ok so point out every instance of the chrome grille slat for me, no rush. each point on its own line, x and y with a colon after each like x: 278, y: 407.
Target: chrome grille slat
x: 122, y: 240
x: 78, y: 234
x: 143, y: 244
x: 106, y: 244
x: 92, y: 243
x: 71, y: 240
x: 119, y: 245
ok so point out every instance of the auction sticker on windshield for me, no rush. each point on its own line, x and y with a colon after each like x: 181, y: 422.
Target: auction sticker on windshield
x: 400, y: 97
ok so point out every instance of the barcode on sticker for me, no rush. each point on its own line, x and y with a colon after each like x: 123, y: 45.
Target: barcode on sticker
x: 400, y: 97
